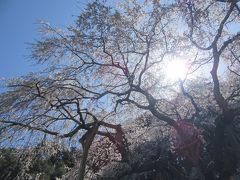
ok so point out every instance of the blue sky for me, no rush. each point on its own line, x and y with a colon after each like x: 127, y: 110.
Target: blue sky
x: 18, y: 27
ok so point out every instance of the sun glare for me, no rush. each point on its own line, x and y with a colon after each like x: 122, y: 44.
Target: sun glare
x: 176, y: 70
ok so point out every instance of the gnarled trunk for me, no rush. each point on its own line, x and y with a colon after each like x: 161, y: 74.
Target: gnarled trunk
x: 86, y: 142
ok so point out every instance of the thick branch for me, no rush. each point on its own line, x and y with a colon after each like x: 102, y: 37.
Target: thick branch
x: 229, y: 41
x: 216, y: 56
x: 216, y: 87
x: 185, y: 93
x: 220, y: 28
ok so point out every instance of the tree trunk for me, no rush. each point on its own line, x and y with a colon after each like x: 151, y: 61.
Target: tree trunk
x: 86, y: 142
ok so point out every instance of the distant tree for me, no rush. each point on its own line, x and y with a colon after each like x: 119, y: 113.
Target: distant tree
x: 9, y: 165
x: 42, y: 161
x: 110, y: 65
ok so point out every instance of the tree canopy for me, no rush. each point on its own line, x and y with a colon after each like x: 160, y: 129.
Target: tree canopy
x: 110, y: 67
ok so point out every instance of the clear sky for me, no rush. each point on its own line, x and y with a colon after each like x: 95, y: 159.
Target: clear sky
x: 18, y: 27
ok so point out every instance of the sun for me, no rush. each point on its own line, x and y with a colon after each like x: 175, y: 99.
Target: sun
x: 176, y: 70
